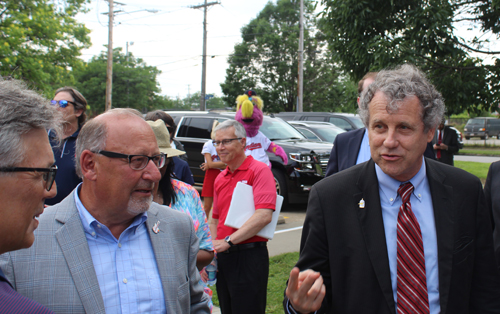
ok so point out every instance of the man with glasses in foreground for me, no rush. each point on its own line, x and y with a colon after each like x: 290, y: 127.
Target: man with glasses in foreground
x: 243, y: 259
x: 106, y: 248
x: 27, y: 175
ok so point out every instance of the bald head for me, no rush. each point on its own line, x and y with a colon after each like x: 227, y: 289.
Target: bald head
x: 119, y: 124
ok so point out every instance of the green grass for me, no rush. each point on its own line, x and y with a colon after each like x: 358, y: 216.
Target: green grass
x: 479, y: 169
x: 279, y: 270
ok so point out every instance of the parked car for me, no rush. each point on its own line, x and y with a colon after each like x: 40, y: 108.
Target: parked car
x: 346, y: 121
x: 317, y: 131
x: 482, y: 127
x: 307, y: 159
x: 459, y: 137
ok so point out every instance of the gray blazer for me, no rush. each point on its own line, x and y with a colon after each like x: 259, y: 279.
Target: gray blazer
x: 57, y: 271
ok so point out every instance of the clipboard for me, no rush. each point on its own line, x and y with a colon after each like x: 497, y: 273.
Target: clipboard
x: 242, y: 207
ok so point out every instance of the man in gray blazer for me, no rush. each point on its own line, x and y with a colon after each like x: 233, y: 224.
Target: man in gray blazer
x: 106, y: 248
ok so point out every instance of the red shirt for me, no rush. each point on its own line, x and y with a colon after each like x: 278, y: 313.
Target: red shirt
x: 251, y: 172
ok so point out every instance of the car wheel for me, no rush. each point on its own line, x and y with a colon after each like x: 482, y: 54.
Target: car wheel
x: 281, y: 188
x: 467, y: 138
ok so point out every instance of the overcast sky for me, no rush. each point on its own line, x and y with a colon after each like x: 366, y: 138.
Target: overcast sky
x: 172, y: 39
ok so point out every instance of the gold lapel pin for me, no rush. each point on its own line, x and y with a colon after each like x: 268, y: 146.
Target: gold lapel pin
x: 156, y: 227
x: 361, y: 203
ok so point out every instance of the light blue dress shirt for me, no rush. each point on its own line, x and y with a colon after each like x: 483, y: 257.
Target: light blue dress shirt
x: 421, y: 205
x: 364, y: 153
x: 126, y: 268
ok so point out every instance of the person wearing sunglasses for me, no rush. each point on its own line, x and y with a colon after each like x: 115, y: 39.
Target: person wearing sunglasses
x: 107, y: 246
x: 27, y: 173
x: 72, y: 105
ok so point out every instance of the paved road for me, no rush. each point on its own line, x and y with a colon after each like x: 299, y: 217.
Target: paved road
x: 485, y: 159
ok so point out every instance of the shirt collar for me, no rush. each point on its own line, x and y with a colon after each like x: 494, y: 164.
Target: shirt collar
x: 244, y: 166
x: 90, y: 223
x: 389, y: 186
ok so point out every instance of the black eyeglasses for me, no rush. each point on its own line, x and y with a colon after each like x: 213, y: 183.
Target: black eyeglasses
x: 137, y: 162
x: 61, y: 103
x: 49, y: 173
x: 225, y: 142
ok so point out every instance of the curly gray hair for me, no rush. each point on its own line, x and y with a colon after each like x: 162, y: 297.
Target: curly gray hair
x: 23, y: 110
x: 400, y: 82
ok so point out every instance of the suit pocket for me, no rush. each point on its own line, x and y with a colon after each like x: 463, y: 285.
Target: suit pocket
x: 463, y: 249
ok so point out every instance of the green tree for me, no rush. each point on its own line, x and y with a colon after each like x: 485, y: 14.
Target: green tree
x: 267, y: 61
x: 40, y: 41
x: 134, y: 83
x: 371, y: 35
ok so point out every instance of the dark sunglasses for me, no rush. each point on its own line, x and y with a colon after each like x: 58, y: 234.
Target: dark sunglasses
x: 61, y: 103
x: 49, y: 173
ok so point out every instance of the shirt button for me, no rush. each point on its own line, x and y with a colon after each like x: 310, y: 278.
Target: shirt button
x: 419, y: 195
x: 98, y: 226
x: 125, y: 280
x: 93, y: 233
x: 119, y: 245
x: 391, y: 199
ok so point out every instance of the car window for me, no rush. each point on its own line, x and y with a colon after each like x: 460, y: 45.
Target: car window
x: 341, y: 123
x: 475, y: 122
x: 310, y: 135
x: 329, y: 134
x: 357, y: 122
x: 196, y: 127
x: 277, y: 129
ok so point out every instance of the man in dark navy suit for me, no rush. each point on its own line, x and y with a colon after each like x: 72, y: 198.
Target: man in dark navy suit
x: 27, y: 175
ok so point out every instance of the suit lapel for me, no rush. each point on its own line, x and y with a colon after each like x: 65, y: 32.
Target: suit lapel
x: 74, y: 246
x: 371, y: 221
x: 444, y: 215
x: 165, y: 258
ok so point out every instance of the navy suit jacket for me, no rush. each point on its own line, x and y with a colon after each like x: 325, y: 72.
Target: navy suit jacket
x: 13, y: 302
x: 346, y: 148
x: 347, y: 244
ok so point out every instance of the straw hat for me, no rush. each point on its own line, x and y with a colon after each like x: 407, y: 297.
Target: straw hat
x: 163, y: 138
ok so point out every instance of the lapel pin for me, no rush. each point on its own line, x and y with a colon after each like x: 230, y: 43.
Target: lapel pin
x: 361, y: 203
x: 156, y: 227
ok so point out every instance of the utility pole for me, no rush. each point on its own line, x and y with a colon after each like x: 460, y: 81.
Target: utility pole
x: 126, y: 51
x: 109, y: 68
x: 204, y: 62
x: 301, y: 58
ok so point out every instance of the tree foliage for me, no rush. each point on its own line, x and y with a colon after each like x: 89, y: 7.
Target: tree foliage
x: 134, y: 83
x: 371, y: 35
x: 40, y: 41
x: 267, y: 61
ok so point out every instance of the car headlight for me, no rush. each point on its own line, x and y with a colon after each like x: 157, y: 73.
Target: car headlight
x: 465, y: 129
x: 305, y: 162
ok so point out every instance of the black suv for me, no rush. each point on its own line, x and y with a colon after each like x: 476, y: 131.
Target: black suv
x: 346, y: 121
x: 306, y: 159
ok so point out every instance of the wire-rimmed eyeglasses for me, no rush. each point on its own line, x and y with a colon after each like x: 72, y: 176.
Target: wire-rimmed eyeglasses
x: 137, y: 162
x: 225, y: 142
x: 49, y: 174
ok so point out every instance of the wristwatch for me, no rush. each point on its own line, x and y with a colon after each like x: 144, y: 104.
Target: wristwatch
x: 228, y: 240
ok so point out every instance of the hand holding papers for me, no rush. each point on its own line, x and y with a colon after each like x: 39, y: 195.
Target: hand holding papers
x: 242, y: 207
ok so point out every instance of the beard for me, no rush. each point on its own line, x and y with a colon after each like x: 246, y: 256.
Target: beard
x: 138, y: 206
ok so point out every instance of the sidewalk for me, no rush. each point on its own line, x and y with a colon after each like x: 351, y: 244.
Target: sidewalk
x: 216, y: 310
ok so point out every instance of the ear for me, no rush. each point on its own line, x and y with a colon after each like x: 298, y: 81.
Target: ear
x: 430, y: 134
x: 88, y: 165
x: 244, y: 141
x: 78, y: 112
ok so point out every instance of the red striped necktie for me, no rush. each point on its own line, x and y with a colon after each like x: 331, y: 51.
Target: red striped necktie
x: 412, y: 282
